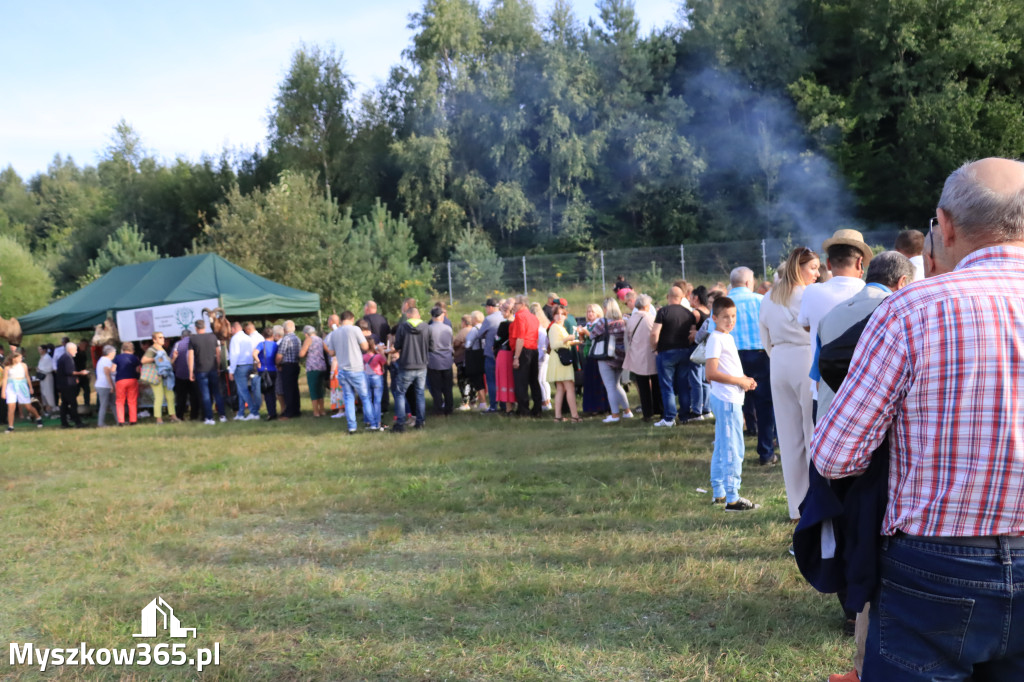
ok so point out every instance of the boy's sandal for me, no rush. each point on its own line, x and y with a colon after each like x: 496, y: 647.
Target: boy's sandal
x: 577, y: 420
x: 559, y: 419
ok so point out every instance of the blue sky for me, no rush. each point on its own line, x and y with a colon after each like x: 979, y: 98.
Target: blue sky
x: 190, y: 77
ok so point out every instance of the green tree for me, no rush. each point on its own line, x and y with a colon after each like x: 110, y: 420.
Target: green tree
x: 310, y: 126
x: 289, y: 233
x: 125, y: 246
x: 475, y: 264
x: 24, y: 284
x: 383, y: 261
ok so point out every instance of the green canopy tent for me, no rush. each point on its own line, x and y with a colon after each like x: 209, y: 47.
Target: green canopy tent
x: 167, y: 281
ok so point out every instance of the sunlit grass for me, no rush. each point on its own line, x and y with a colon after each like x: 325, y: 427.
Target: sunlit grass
x: 478, y: 548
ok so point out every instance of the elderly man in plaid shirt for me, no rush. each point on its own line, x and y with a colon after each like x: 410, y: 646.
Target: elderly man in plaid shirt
x: 940, y: 369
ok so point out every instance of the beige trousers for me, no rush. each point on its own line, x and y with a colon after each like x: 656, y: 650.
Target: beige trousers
x: 791, y: 396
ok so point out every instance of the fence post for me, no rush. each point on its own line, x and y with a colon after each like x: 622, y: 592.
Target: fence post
x: 682, y: 260
x: 764, y: 259
x: 604, y: 288
x: 526, y: 292
x: 451, y: 299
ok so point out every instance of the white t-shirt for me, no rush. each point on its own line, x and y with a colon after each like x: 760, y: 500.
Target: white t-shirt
x: 101, y: 372
x: 918, y: 263
x: 819, y: 299
x: 723, y: 347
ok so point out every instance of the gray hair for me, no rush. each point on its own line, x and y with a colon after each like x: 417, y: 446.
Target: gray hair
x: 309, y: 329
x: 740, y: 276
x: 289, y: 327
x: 278, y: 330
x: 980, y: 211
x: 888, y: 267
x: 108, y: 349
x: 644, y: 301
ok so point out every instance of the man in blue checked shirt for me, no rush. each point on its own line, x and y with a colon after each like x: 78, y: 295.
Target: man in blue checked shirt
x: 758, y: 410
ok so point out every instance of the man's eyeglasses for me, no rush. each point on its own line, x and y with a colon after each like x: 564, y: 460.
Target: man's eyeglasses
x: 933, y: 223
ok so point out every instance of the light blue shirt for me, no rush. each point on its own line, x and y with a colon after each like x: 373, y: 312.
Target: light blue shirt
x: 748, y: 311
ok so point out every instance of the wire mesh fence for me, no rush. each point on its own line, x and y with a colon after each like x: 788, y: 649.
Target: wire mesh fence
x: 646, y: 268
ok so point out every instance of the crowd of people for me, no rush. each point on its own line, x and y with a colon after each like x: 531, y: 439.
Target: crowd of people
x: 894, y: 404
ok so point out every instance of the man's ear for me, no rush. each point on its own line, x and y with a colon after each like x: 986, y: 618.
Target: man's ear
x: 903, y: 281
x: 945, y: 230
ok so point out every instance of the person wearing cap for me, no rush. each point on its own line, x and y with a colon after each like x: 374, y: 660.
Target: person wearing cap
x: 848, y: 258
x: 488, y: 330
x: 553, y: 300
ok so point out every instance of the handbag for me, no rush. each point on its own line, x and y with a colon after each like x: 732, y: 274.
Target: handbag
x: 150, y: 374
x: 604, y: 346
x: 266, y: 382
x: 564, y: 356
x: 699, y: 354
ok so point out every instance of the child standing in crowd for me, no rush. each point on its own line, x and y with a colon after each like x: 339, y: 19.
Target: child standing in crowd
x: 16, y: 389
x: 727, y: 386
x: 374, y: 363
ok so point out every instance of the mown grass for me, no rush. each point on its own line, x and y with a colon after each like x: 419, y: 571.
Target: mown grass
x: 480, y: 548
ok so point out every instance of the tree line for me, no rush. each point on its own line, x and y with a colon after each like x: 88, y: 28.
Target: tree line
x: 505, y: 132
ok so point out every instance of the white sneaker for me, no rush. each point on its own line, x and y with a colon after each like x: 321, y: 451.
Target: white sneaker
x: 223, y: 419
x: 239, y: 417
x: 209, y: 422
x: 253, y: 418
x: 627, y: 415
x: 340, y: 415
x: 664, y: 423
x: 482, y: 407
x: 610, y: 420
x: 464, y: 406
x: 546, y: 408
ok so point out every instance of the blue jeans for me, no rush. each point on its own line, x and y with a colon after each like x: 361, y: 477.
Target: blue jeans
x: 418, y: 379
x: 700, y: 390
x: 946, y: 612
x: 248, y: 390
x: 671, y: 376
x: 727, y: 458
x: 492, y: 386
x: 353, y: 383
x: 375, y: 389
x: 209, y: 389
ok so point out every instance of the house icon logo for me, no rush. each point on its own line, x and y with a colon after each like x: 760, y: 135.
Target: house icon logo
x: 159, y: 614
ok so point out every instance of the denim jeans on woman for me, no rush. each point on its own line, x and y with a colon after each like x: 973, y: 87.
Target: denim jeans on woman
x: 104, y: 395
x: 375, y: 389
x: 618, y: 402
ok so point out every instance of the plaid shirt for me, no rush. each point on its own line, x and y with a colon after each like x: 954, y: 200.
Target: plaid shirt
x: 747, y: 333
x: 289, y: 348
x: 940, y: 370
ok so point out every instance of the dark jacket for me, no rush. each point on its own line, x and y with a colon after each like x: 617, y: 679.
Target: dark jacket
x: 414, y: 343
x: 65, y: 373
x: 836, y: 542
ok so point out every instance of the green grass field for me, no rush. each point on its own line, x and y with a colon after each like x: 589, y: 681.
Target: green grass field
x: 480, y: 548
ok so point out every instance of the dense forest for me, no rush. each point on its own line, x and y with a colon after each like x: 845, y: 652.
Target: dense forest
x: 503, y: 131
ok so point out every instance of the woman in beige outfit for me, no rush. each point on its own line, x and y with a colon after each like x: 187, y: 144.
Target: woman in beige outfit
x: 788, y: 346
x: 640, y: 358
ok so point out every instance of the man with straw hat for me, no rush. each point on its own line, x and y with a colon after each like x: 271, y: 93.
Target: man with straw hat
x: 848, y: 257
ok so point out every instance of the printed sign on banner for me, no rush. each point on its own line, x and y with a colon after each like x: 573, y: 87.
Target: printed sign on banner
x: 140, y: 323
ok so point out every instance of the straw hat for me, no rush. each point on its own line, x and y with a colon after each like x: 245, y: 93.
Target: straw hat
x: 849, y: 238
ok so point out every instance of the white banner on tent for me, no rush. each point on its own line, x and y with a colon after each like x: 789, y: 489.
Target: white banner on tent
x: 140, y: 323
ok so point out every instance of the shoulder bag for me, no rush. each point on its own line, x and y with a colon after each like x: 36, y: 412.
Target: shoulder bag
x: 150, y: 374
x: 604, y: 346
